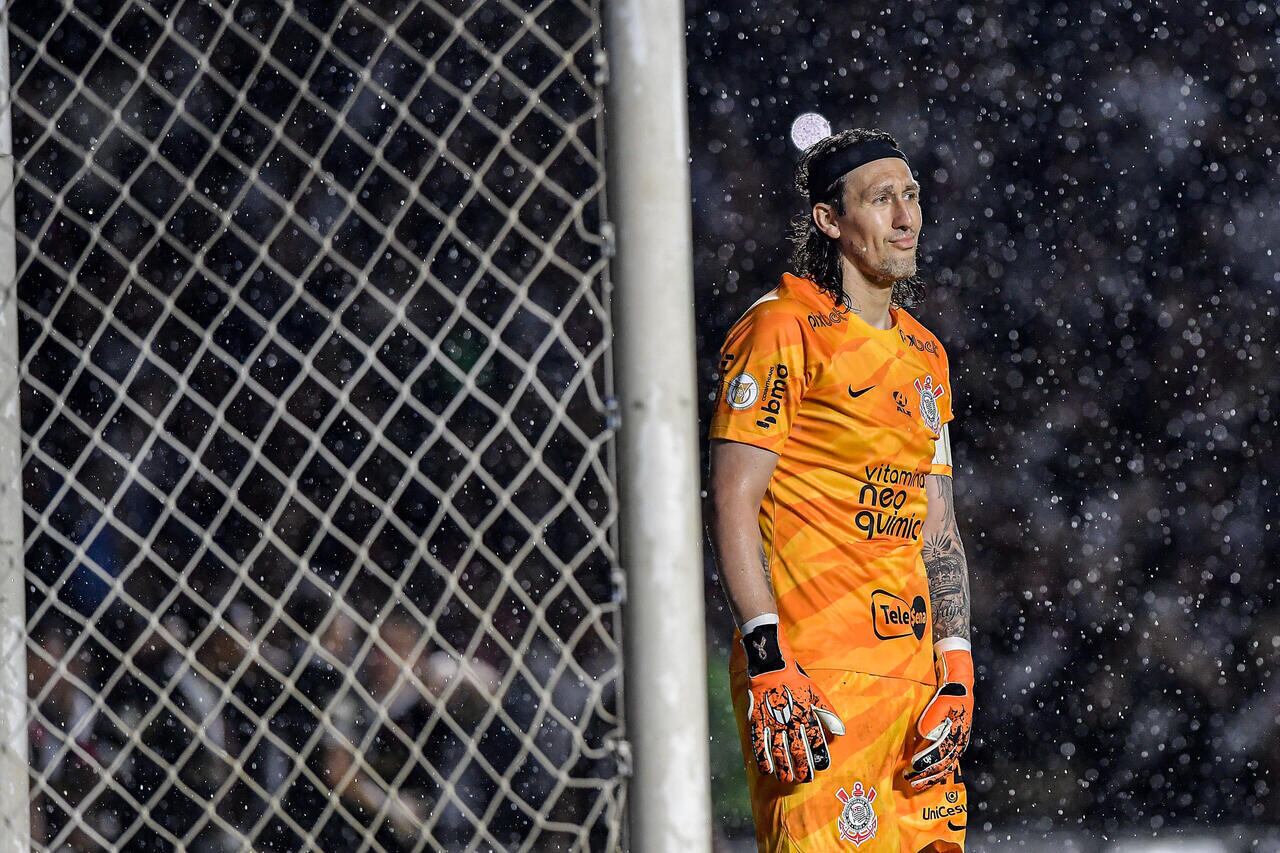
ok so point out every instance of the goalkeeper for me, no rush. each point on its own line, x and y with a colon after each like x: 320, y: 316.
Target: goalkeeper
x: 835, y: 531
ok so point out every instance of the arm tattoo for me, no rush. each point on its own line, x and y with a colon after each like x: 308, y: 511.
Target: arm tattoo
x: 947, y: 570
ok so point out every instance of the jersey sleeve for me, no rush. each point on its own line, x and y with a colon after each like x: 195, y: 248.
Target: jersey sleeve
x: 762, y: 379
x: 946, y: 413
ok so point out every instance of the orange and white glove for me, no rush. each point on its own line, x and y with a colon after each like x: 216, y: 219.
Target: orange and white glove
x: 948, y: 718
x: 786, y: 712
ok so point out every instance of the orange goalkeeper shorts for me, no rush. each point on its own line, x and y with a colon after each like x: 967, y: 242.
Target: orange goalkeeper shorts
x: 862, y: 802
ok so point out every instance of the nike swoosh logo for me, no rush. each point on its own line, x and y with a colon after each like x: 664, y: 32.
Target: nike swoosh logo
x: 951, y: 826
x: 856, y: 394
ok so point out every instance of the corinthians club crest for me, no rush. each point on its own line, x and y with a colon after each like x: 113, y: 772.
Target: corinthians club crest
x: 858, y: 821
x: 929, y: 402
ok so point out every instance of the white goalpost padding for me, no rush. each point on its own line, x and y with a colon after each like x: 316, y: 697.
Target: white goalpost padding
x: 661, y: 510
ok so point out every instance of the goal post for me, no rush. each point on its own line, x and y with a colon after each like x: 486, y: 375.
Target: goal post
x: 661, y: 508
x: 311, y: 487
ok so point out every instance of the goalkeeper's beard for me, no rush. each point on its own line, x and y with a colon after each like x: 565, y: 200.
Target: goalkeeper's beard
x: 900, y: 274
x: 894, y: 270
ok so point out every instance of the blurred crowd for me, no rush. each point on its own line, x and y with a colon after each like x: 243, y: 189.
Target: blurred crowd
x: 1100, y: 198
x: 319, y: 517
x: 213, y: 739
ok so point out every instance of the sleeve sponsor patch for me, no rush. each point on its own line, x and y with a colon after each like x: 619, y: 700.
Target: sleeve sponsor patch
x: 762, y: 369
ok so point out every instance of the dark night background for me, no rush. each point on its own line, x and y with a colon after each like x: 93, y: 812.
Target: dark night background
x: 1100, y: 193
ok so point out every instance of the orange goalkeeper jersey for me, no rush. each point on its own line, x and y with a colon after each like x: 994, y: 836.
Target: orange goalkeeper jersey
x: 853, y: 413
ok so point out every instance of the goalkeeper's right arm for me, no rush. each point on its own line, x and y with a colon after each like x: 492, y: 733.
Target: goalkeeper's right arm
x: 786, y: 712
x: 740, y: 475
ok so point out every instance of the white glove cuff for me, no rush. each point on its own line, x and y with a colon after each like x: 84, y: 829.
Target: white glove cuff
x: 951, y: 644
x: 763, y: 619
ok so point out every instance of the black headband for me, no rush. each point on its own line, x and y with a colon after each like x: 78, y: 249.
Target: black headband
x: 826, y: 169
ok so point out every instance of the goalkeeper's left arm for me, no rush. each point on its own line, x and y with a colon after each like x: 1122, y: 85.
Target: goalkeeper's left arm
x: 946, y: 722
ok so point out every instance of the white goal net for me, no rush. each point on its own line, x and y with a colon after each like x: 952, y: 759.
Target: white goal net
x: 318, y: 501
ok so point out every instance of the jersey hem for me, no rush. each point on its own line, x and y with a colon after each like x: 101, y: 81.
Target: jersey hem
x: 734, y: 670
x: 872, y: 674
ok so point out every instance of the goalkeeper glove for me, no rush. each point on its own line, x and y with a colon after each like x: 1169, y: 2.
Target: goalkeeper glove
x: 948, y: 717
x: 786, y: 712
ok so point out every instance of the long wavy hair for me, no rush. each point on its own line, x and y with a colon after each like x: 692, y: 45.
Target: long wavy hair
x: 816, y: 256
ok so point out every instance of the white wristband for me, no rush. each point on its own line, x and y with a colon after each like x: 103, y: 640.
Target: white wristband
x: 951, y: 644
x: 763, y: 619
